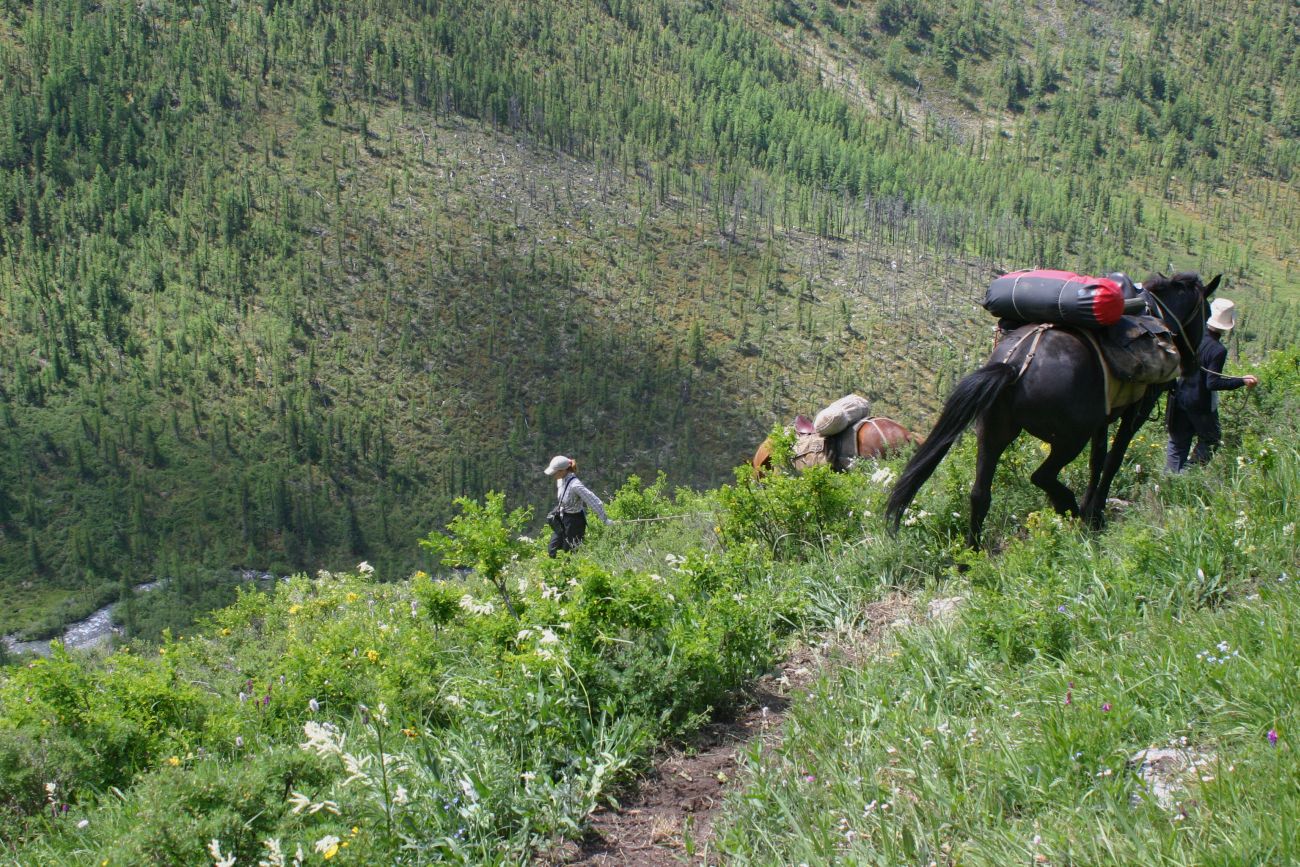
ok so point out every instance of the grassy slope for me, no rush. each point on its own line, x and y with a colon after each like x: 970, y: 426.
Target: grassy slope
x: 1001, y: 736
x: 1009, y: 734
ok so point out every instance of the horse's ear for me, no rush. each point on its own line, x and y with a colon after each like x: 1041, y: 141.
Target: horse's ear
x: 1212, y: 285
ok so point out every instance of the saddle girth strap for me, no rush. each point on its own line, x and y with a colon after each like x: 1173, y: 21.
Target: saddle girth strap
x: 1037, y: 335
x: 884, y: 440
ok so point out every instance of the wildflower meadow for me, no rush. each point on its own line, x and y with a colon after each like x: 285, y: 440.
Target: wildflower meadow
x: 1118, y: 697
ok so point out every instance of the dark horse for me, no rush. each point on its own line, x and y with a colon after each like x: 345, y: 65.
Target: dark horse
x: 878, y: 438
x: 1053, y: 387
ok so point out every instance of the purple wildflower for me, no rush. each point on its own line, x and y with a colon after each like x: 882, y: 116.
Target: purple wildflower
x: 1272, y: 737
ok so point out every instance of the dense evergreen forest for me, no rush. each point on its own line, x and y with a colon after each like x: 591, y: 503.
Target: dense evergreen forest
x: 280, y: 279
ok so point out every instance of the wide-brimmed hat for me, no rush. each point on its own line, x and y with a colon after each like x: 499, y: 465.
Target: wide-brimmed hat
x: 559, y: 462
x: 1223, y: 315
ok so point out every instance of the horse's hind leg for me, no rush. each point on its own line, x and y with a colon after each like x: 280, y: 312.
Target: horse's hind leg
x: 994, y: 437
x: 1047, y: 474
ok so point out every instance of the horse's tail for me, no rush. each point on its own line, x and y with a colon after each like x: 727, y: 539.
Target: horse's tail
x: 972, y: 396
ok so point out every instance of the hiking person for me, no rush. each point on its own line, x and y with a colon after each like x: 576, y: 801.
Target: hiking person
x: 574, y: 498
x: 1194, y: 402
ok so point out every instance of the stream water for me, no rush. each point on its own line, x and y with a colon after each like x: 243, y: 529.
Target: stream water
x: 91, y: 632
x: 96, y: 629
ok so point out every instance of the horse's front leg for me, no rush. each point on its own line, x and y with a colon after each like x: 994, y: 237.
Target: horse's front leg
x: 1096, y: 462
x: 1132, y: 419
x: 1047, y: 476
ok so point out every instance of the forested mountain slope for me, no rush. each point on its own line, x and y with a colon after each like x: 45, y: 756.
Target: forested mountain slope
x: 279, y: 279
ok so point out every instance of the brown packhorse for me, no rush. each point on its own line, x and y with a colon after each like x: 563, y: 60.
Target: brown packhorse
x: 878, y: 438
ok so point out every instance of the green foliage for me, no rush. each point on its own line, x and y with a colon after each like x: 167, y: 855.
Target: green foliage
x: 433, y: 720
x: 989, y: 739
x: 792, y: 515
x: 222, y: 349
x: 484, y: 538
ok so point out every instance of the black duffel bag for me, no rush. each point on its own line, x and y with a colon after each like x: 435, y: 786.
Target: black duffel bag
x: 1056, y: 296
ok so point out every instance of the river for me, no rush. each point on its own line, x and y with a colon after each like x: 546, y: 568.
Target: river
x: 91, y: 632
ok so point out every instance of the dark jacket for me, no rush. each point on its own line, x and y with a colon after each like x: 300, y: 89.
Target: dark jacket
x: 1194, y: 392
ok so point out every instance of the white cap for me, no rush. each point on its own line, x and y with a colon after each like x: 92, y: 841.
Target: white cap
x: 559, y: 462
x: 1223, y: 315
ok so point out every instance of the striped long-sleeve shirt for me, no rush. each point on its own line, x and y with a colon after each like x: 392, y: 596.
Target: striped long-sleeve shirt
x: 572, y: 494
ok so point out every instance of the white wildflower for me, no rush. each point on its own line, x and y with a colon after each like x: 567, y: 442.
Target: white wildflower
x: 313, y: 705
x: 913, y: 519
x: 328, y: 845
x: 274, y: 854
x: 84, y: 823
x: 883, y: 477
x: 470, y: 604
x: 219, y: 860
x: 323, y: 739
x: 365, y: 568
x: 548, y: 636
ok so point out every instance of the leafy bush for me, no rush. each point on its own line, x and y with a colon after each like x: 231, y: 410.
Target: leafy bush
x: 792, y: 515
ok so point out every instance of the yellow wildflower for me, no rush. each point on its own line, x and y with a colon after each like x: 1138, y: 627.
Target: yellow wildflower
x: 331, y: 851
x: 372, y: 655
x: 410, y: 733
x: 352, y: 597
x: 294, y: 609
x: 173, y: 761
x: 355, y: 830
x: 225, y: 630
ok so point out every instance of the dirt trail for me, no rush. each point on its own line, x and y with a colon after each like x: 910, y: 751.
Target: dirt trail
x: 669, y: 819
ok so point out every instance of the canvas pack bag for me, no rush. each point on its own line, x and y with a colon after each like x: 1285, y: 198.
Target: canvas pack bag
x: 842, y: 414
x: 1140, y: 349
x: 809, y: 451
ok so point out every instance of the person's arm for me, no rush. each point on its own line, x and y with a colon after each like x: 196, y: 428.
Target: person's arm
x: 593, y: 502
x: 1214, y: 378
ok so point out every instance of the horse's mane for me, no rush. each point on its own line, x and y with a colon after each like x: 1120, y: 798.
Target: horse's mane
x: 1158, y: 282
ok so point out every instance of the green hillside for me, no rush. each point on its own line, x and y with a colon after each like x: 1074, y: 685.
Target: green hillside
x: 483, y: 718
x: 279, y: 280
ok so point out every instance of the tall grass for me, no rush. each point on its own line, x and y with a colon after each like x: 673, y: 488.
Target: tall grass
x: 1015, y: 733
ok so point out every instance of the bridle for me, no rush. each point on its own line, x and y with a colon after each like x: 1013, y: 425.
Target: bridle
x: 1167, y: 315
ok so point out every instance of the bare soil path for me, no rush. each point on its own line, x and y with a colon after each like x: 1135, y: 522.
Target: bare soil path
x: 668, y: 820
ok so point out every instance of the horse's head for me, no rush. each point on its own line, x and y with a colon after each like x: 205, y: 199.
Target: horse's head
x: 1182, y: 301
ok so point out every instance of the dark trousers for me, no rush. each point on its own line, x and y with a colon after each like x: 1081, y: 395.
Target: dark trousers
x: 575, y: 527
x: 1183, y: 426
